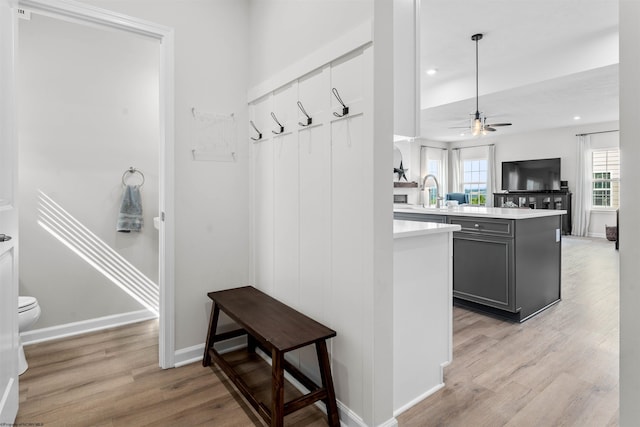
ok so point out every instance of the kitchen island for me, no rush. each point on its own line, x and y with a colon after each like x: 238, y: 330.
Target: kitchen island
x: 506, y: 261
x: 422, y: 312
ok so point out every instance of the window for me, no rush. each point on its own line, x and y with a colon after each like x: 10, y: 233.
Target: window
x: 433, y: 161
x: 605, y: 187
x: 474, y: 180
x: 433, y: 167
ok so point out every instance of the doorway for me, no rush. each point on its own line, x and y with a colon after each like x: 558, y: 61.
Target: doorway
x: 76, y: 168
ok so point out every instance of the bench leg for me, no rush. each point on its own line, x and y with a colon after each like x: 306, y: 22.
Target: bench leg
x: 213, y: 326
x: 277, y: 388
x: 327, y: 382
x: 251, y: 344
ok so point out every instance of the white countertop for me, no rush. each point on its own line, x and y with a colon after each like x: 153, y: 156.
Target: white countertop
x: 480, y: 211
x: 417, y: 228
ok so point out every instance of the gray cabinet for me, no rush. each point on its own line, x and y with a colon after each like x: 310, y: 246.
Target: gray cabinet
x: 507, y: 267
x: 483, y: 270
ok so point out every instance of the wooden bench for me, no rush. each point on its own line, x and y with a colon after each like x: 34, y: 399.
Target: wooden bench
x: 275, y: 328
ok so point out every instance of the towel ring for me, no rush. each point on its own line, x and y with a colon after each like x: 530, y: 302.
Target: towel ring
x: 132, y: 170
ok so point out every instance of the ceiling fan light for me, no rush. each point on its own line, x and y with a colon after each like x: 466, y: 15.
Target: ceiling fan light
x: 476, y: 127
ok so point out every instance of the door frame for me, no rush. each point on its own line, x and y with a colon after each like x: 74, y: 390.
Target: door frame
x: 90, y: 15
x: 9, y: 339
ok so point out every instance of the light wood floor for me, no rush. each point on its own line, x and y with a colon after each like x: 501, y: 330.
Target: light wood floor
x: 111, y: 378
x: 557, y: 369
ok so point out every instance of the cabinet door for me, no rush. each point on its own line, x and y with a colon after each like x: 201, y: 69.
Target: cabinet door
x: 483, y: 270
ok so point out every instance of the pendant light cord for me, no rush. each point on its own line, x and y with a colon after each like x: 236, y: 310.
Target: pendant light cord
x: 477, y: 108
x: 477, y: 38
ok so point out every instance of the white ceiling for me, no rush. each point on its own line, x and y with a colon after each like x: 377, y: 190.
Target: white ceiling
x: 541, y: 62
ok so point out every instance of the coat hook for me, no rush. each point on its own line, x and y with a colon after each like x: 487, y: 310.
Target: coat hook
x: 257, y: 131
x: 345, y: 109
x: 279, y: 124
x: 309, y: 119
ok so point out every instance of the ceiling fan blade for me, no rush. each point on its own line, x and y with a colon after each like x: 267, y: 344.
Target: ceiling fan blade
x: 499, y: 124
x: 489, y: 128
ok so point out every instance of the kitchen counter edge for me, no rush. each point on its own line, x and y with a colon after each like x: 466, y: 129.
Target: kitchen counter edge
x: 478, y: 211
x: 402, y: 228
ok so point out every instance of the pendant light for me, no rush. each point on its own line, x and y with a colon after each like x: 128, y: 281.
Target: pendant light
x: 477, y: 126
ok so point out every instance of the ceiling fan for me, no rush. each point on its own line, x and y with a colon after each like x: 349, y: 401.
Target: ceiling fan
x: 479, y: 125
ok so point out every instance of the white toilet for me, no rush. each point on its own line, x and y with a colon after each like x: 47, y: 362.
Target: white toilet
x: 28, y: 314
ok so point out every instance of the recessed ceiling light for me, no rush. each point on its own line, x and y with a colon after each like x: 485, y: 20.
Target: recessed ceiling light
x: 432, y: 71
x: 576, y: 117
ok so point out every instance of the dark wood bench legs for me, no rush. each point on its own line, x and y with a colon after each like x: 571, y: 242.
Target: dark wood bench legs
x: 211, y: 334
x: 277, y: 388
x: 327, y: 383
x: 251, y: 344
x: 275, y: 414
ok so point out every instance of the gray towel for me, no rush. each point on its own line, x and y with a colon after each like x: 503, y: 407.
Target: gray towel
x: 130, y: 216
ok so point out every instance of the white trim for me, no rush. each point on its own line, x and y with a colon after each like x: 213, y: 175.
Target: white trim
x: 349, y: 42
x: 195, y: 353
x: 602, y: 211
x: 417, y: 400
x: 186, y: 356
x: 84, y: 13
x: 391, y: 422
x: 597, y: 235
x: 6, y: 397
x: 90, y: 15
x: 166, y: 279
x: 85, y: 326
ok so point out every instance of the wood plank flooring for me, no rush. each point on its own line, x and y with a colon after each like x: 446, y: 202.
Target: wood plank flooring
x: 559, y: 368
x: 111, y: 378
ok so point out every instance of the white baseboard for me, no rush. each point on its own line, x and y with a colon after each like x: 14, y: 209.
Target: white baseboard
x: 597, y: 235
x: 85, y: 326
x: 194, y: 354
x: 186, y: 356
x: 392, y: 422
x: 417, y: 400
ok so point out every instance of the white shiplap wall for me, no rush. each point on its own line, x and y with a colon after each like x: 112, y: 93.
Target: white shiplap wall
x: 312, y: 238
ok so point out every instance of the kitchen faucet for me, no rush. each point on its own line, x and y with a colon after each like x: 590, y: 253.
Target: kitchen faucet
x: 422, y: 188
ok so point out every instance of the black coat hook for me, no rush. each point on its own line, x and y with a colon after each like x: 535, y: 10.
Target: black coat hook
x: 257, y: 131
x: 275, y: 119
x: 309, y: 119
x: 345, y: 109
